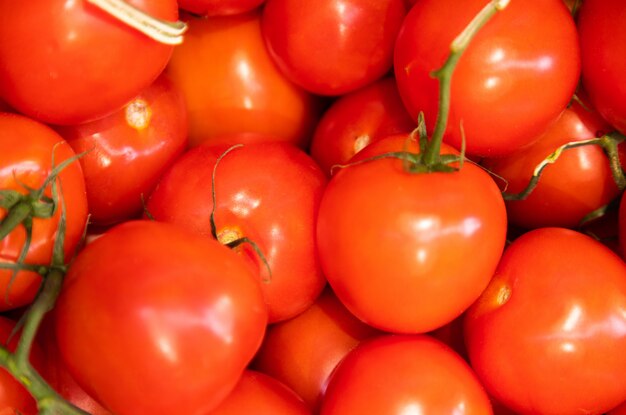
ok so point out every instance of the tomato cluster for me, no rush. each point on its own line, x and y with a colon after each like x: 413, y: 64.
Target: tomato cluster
x: 292, y: 207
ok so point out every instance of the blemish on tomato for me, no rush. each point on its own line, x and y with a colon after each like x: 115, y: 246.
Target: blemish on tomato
x: 228, y: 235
x: 504, y: 293
x: 138, y: 114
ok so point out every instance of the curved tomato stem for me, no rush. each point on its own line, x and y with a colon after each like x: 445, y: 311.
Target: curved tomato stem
x: 444, y: 75
x: 609, y: 144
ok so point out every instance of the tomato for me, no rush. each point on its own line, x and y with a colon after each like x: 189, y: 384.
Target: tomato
x: 303, y: 351
x: 260, y: 394
x: 602, y: 26
x: 231, y: 85
x: 548, y: 334
x: 331, y: 47
x: 129, y: 150
x: 12, y: 394
x: 166, y: 327
x: 579, y: 182
x: 86, y: 62
x: 510, y: 84
x: 26, y: 151
x: 268, y: 193
x: 219, y: 7
x: 399, y: 249
x: 398, y: 375
x: 618, y: 410
x: 356, y: 119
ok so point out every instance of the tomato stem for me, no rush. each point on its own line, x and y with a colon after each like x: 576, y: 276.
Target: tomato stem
x: 444, y: 75
x: 169, y: 33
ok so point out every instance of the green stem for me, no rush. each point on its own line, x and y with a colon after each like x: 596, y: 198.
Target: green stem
x: 17, y: 214
x: 444, y: 75
x: 610, y: 143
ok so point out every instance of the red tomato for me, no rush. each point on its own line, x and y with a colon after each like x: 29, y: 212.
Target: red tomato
x: 303, y: 351
x: 129, y: 150
x: 87, y: 63
x: 401, y: 375
x: 267, y: 192
x: 231, y: 85
x: 154, y: 319
x: 261, y: 394
x: 332, y: 47
x: 356, y: 119
x: 619, y: 410
x: 26, y: 150
x: 548, y: 334
x: 400, y: 249
x: 219, y: 7
x: 509, y: 85
x: 579, y: 182
x: 602, y: 27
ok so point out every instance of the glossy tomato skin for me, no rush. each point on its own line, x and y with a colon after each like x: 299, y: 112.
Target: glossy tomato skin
x: 509, y: 85
x: 269, y: 193
x: 601, y: 25
x: 26, y: 151
x: 168, y: 327
x: 87, y: 62
x: 399, y: 249
x: 251, y: 96
x: 357, y: 119
x: 303, y: 351
x: 579, y: 182
x: 219, y: 7
x: 332, y: 47
x: 128, y: 150
x: 405, y: 374
x: 260, y: 394
x: 547, y: 335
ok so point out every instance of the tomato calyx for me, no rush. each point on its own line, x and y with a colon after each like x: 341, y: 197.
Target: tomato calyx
x: 168, y: 33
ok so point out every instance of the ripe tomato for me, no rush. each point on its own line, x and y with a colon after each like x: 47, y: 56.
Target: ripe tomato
x: 356, y: 119
x: 509, y: 85
x: 219, y: 7
x: 331, y: 47
x: 399, y: 375
x: 548, y: 334
x: 87, y: 63
x: 302, y: 352
x: 399, y: 249
x: 168, y: 327
x: 231, y: 85
x: 129, y: 150
x: 602, y: 26
x: 579, y: 182
x: 267, y: 192
x: 26, y: 150
x: 260, y: 394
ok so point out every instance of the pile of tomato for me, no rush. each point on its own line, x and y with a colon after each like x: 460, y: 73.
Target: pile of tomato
x: 292, y: 207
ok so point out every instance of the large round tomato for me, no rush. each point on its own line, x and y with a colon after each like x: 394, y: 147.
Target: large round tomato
x: 155, y: 319
x: 602, y: 28
x: 67, y: 62
x: 409, y: 252
x: 514, y: 79
x: 27, y: 148
x: 548, y: 334
x: 231, y: 85
x: 402, y: 375
x: 331, y: 47
x: 128, y: 150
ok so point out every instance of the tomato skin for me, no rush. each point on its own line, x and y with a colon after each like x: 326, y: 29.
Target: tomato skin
x: 184, y: 312
x: 404, y: 374
x: 88, y: 63
x: 565, y: 351
x: 388, y: 239
x: 302, y: 352
x: 128, y: 150
x: 252, y: 96
x: 356, y: 119
x: 601, y: 27
x: 354, y: 48
x: 621, y: 222
x: 260, y: 394
x: 219, y: 7
x: 26, y: 150
x: 579, y: 182
x: 497, y: 82
x: 618, y: 410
